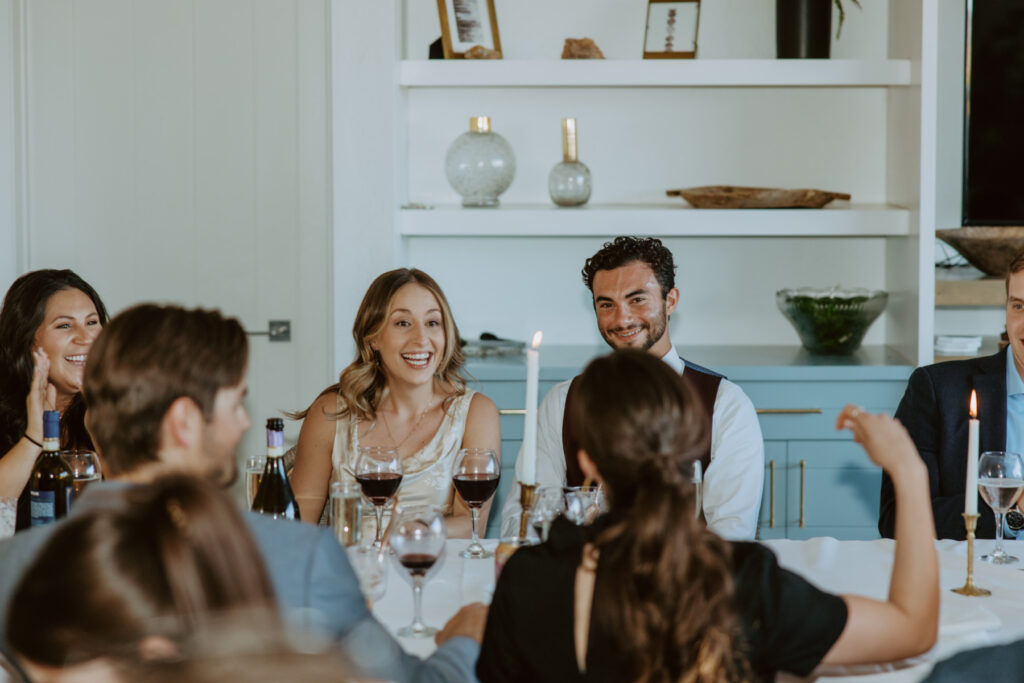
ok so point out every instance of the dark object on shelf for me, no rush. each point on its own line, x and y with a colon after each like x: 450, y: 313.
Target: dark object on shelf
x: 581, y: 48
x: 1004, y: 340
x: 831, y: 321
x: 436, y: 50
x: 803, y: 29
x: 989, y: 248
x: 491, y: 345
x: 733, y: 197
x: 481, y: 52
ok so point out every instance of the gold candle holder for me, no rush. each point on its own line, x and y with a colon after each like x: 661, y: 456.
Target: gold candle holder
x: 969, y: 589
x: 526, y: 493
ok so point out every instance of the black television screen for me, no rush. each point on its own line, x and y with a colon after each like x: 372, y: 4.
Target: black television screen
x: 994, y: 116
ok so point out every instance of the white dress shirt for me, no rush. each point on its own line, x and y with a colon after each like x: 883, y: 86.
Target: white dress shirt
x: 733, y: 481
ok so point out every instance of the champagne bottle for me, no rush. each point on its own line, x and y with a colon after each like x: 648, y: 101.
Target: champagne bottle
x: 51, y: 486
x: 274, y: 496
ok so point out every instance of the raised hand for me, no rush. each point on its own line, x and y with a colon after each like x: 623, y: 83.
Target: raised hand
x: 42, y: 395
x: 884, y: 439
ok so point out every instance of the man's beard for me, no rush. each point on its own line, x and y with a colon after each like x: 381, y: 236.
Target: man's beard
x: 654, y: 334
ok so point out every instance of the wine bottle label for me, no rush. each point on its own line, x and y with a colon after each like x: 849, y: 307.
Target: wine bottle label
x: 42, y: 507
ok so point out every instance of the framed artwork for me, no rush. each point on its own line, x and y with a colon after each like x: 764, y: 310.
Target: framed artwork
x: 465, y: 23
x: 671, y: 29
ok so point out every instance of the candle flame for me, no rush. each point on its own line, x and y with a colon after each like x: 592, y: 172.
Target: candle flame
x: 537, y: 336
x: 974, y: 405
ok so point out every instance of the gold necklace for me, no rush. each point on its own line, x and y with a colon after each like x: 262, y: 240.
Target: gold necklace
x: 391, y: 436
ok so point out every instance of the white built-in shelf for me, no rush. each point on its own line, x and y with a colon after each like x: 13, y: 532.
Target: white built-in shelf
x: 662, y: 220
x: 655, y: 73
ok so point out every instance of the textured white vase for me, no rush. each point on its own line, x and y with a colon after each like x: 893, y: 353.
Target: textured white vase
x: 480, y: 164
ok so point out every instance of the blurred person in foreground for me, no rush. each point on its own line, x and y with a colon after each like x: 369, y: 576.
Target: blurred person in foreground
x: 648, y: 593
x: 164, y: 387
x: 129, y: 580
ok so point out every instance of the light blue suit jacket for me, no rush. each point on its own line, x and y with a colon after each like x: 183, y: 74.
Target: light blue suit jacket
x: 313, y: 580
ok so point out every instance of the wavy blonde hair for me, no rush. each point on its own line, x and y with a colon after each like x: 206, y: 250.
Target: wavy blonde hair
x: 362, y: 383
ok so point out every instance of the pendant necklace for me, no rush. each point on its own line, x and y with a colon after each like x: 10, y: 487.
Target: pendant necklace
x: 423, y: 414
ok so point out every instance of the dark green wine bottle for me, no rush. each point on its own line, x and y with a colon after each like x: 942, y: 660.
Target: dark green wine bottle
x: 51, y: 486
x: 274, y: 496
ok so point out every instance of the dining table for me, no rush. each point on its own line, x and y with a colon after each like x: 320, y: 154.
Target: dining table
x: 854, y: 567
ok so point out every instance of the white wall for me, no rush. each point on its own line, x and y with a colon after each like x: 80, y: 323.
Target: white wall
x: 179, y: 151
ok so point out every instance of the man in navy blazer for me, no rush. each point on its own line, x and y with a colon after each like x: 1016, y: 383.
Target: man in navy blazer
x: 935, y: 408
x: 164, y: 390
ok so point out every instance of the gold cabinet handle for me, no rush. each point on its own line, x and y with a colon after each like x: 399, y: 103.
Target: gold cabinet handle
x: 803, y: 472
x: 512, y: 411
x: 771, y: 494
x: 789, y: 411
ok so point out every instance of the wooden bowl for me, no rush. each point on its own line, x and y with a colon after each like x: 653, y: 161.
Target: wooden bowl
x: 989, y: 248
x: 736, y: 197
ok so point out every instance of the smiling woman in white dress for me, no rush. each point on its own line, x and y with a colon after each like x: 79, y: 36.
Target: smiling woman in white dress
x: 404, y: 390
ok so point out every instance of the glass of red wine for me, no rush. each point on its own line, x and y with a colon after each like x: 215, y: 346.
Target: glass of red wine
x: 417, y: 538
x: 475, y: 477
x: 379, y: 473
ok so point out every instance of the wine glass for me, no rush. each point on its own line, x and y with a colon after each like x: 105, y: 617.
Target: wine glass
x: 476, y: 479
x: 85, y: 468
x: 371, y: 571
x: 1000, y: 482
x: 379, y: 473
x: 583, y: 503
x: 254, y: 466
x: 418, y: 540
x: 548, y: 503
x: 697, y: 477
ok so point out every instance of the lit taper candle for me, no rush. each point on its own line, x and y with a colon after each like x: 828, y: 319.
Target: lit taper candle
x: 971, y: 488
x: 530, y: 425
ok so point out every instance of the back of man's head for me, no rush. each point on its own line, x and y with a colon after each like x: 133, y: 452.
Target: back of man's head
x: 146, y: 358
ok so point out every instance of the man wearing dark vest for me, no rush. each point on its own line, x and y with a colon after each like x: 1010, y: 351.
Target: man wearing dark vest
x: 632, y: 281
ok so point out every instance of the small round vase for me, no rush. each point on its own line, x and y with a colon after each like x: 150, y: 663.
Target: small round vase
x: 480, y: 164
x: 569, y: 183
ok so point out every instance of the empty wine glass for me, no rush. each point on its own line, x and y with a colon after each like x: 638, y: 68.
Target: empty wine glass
x: 548, y: 503
x: 379, y: 473
x: 85, y: 469
x: 254, y: 466
x: 583, y: 503
x: 418, y: 538
x: 697, y: 477
x: 371, y: 571
x: 476, y: 479
x: 1000, y: 482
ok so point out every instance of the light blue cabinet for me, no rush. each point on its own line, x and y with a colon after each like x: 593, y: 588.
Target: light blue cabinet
x: 823, y: 483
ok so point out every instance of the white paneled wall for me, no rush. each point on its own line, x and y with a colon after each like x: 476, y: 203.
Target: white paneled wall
x: 180, y: 151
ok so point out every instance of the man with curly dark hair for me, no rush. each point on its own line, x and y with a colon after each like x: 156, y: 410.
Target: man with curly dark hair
x: 632, y: 280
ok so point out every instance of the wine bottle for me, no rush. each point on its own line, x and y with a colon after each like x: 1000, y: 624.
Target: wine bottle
x: 274, y: 496
x: 51, y: 486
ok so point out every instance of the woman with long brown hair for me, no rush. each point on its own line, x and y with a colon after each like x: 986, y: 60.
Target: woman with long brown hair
x: 403, y: 391
x: 647, y: 593
x: 132, y: 578
x: 48, y: 322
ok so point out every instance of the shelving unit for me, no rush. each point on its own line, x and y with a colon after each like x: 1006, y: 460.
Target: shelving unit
x: 620, y: 73
x: 966, y: 286
x: 659, y: 220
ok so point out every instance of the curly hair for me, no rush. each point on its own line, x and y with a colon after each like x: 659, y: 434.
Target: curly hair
x: 665, y: 588
x: 624, y: 250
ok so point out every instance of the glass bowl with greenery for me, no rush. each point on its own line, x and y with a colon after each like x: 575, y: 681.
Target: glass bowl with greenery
x: 831, y: 321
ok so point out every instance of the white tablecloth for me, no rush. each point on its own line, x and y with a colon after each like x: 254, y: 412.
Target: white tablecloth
x: 860, y: 567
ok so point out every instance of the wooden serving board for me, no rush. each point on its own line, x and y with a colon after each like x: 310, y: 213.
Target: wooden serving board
x: 734, y: 197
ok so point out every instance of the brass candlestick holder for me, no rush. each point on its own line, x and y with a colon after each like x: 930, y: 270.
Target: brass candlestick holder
x: 526, y: 493
x: 969, y: 589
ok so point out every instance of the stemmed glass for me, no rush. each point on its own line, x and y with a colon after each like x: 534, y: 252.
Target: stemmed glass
x: 379, y: 473
x: 476, y: 479
x: 583, y: 503
x: 697, y: 477
x: 418, y: 538
x: 548, y: 503
x: 85, y: 469
x: 1001, y: 482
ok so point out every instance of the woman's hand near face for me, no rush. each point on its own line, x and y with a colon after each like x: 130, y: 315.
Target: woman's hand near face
x: 42, y: 395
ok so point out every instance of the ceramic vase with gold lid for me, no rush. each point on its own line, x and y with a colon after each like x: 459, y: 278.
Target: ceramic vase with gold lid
x: 480, y: 164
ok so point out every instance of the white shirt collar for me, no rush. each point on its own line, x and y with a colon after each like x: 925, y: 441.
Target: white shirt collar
x: 673, y: 360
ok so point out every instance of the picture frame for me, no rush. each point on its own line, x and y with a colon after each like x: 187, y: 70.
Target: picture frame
x: 465, y: 23
x: 671, y: 29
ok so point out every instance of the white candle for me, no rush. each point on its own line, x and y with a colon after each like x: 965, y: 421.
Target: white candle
x: 971, y: 488
x: 529, y: 470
